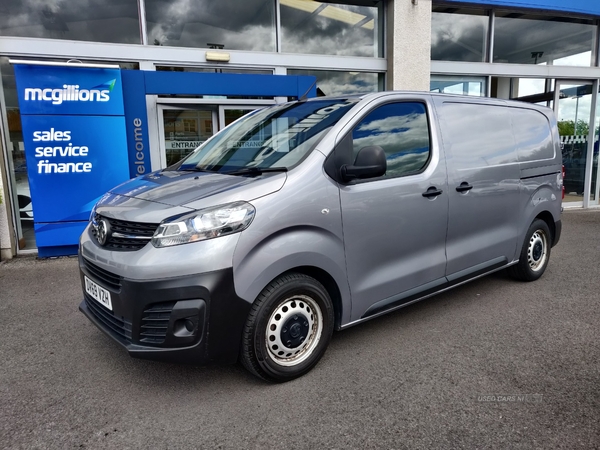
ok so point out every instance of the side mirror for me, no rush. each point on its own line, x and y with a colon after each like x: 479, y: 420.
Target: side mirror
x: 370, y: 163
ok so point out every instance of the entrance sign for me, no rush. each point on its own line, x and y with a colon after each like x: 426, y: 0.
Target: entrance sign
x: 138, y: 143
x: 75, y: 146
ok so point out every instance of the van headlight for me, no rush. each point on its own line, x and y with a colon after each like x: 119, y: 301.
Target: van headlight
x: 204, y: 224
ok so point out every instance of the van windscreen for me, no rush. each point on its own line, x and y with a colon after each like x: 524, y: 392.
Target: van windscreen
x: 277, y: 137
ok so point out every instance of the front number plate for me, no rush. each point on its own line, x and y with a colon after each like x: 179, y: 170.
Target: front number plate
x: 98, y: 293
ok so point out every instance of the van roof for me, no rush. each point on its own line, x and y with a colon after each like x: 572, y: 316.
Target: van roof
x: 470, y: 98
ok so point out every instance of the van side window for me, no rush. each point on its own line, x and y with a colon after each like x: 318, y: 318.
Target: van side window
x: 478, y: 135
x: 402, y: 130
x: 534, y: 136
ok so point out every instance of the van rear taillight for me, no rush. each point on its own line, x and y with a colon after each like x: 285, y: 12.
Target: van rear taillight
x: 564, y: 173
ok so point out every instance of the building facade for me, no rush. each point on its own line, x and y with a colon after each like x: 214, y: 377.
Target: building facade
x: 542, y: 51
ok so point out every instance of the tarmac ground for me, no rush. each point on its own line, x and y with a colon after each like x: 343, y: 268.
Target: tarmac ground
x: 492, y: 364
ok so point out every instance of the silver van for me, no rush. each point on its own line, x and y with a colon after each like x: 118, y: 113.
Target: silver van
x: 313, y: 216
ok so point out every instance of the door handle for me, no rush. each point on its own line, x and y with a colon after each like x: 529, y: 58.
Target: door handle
x: 464, y: 187
x: 432, y: 192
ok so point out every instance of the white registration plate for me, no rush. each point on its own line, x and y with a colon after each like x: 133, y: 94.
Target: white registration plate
x: 97, y: 292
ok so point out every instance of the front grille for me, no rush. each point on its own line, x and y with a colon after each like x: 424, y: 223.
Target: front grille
x: 155, y: 321
x: 107, y: 278
x: 127, y: 235
x: 119, y: 325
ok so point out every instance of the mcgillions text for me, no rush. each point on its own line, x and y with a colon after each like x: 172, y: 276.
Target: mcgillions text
x: 68, y: 93
x: 45, y: 166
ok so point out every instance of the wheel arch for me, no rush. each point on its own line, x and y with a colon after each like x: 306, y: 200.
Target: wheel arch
x: 328, y: 283
x: 547, y: 217
x: 307, y: 250
x: 544, y: 202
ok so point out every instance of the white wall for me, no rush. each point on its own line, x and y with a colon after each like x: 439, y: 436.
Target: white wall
x: 409, y: 44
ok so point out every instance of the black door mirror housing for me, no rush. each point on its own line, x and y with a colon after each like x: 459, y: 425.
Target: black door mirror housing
x: 370, y: 163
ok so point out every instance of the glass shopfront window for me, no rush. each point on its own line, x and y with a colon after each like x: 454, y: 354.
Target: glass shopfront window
x: 458, y: 35
x: 595, y: 190
x: 331, y: 28
x: 532, y: 90
x: 458, y: 85
x: 573, y: 116
x: 92, y: 20
x: 223, y: 24
x: 332, y: 82
x: 17, y: 166
x: 526, y: 39
x: 525, y: 87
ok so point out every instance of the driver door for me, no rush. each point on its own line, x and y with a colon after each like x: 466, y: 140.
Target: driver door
x: 395, y: 236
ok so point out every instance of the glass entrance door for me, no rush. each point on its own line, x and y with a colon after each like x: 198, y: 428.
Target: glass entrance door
x: 229, y: 114
x: 182, y: 129
x: 573, y: 106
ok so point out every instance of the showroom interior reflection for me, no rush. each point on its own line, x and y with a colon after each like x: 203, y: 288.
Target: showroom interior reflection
x: 330, y: 28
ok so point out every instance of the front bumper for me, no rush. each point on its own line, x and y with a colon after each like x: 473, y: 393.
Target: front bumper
x: 190, y: 319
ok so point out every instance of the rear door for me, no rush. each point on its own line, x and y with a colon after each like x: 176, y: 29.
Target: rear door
x: 483, y: 186
x: 394, y: 236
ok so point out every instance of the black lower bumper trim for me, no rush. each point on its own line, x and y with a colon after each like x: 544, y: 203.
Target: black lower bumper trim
x: 204, y: 325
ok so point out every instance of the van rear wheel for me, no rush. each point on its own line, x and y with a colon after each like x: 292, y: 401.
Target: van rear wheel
x: 288, y: 329
x: 535, y: 253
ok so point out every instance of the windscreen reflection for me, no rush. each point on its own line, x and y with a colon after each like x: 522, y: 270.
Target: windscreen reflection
x: 275, y: 137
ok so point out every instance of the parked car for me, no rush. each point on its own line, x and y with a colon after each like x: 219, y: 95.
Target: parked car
x: 314, y: 216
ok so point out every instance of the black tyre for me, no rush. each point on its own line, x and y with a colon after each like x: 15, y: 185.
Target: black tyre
x: 288, y: 329
x: 535, y: 253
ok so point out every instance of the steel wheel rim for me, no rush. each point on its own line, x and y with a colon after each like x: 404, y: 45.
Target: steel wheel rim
x: 537, y: 251
x: 307, y: 310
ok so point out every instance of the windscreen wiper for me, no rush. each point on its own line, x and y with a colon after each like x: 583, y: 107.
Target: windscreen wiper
x: 255, y: 170
x: 188, y: 168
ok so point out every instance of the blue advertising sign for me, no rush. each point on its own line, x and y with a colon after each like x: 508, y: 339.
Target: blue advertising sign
x: 75, y: 146
x: 134, y: 93
x: 69, y: 90
x: 71, y: 162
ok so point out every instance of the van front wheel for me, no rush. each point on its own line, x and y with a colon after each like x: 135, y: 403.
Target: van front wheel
x: 534, y: 254
x: 288, y: 329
